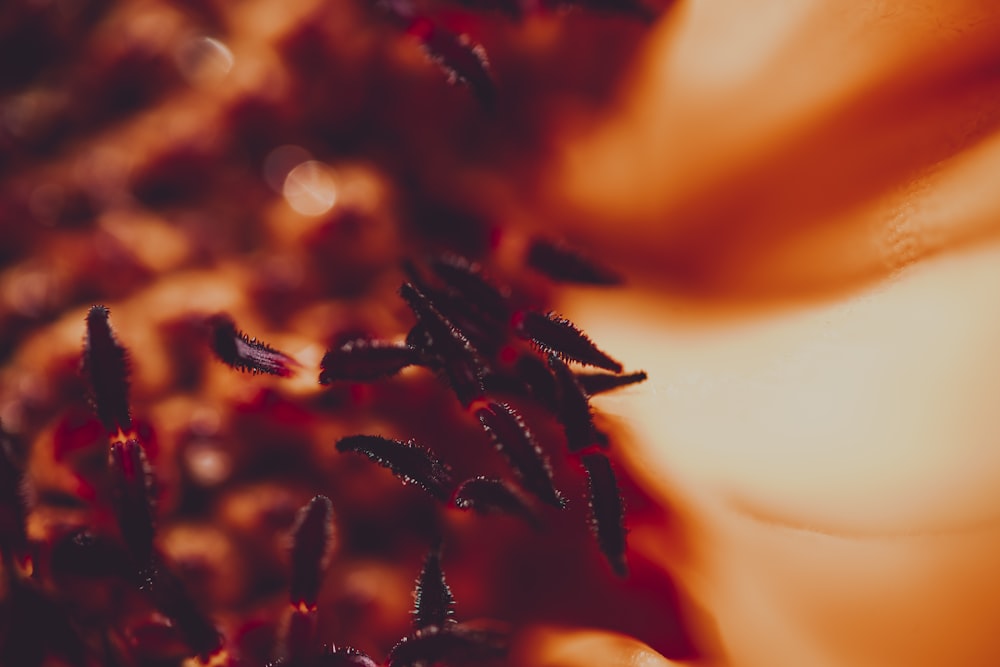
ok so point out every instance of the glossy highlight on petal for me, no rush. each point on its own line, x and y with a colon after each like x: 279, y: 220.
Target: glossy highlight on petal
x: 554, y: 334
x: 234, y: 348
x: 515, y: 441
x: 408, y: 461
x: 106, y: 370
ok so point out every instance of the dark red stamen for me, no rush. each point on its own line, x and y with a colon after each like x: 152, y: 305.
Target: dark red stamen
x: 491, y: 496
x: 537, y: 377
x: 312, y: 541
x: 364, y: 360
x: 467, y: 279
x: 566, y: 265
x: 106, y: 370
x: 462, y: 60
x: 409, y: 461
x: 449, y: 348
x: 344, y: 656
x: 131, y: 481
x: 607, y: 511
x: 557, y: 335
x: 236, y: 349
x: 298, y: 636
x: 631, y: 8
x: 515, y: 441
x: 86, y: 554
x: 174, y: 602
x: 456, y: 644
x: 573, y: 409
x: 599, y: 383
x: 433, y: 602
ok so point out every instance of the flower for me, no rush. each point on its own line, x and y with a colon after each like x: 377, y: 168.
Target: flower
x: 799, y: 196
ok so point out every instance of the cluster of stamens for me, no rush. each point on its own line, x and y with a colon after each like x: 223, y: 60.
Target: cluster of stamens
x: 491, y: 354
x: 91, y: 573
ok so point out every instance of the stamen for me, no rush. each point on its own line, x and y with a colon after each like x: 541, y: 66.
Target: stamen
x: 234, y: 348
x: 106, y: 370
x: 599, y: 383
x: 312, y: 543
x: 456, y: 644
x: 557, y: 335
x: 433, y: 602
x: 467, y: 279
x: 513, y: 439
x: 364, y: 360
x: 459, y: 360
x: 491, y: 496
x: 131, y: 480
x: 410, y: 462
x: 462, y: 60
x: 563, y: 264
x: 573, y: 409
x: 607, y: 511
